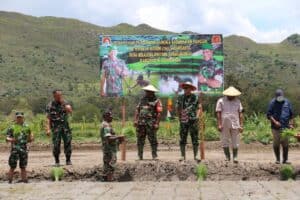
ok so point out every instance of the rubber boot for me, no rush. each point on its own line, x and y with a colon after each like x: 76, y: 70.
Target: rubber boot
x: 68, y: 160
x: 154, y: 152
x: 140, y: 152
x: 195, y: 151
x: 182, y: 150
x: 24, y: 176
x: 277, y: 154
x: 110, y: 177
x: 10, y: 175
x: 56, y: 157
x: 227, y: 153
x: 154, y: 155
x: 285, y: 155
x: 235, y: 153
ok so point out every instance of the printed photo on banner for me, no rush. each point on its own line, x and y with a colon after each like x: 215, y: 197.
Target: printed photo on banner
x: 130, y: 62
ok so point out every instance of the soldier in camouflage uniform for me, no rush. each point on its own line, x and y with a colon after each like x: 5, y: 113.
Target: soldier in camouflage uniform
x: 211, y: 72
x: 113, y: 72
x: 109, y: 145
x: 19, y: 134
x: 57, y: 121
x: 188, y: 109
x: 147, y: 118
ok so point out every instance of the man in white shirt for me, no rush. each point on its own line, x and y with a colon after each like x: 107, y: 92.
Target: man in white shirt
x: 230, y: 121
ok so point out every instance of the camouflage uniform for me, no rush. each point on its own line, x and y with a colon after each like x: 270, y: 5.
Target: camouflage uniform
x: 187, y: 105
x: 148, y: 110
x: 60, y: 128
x: 109, y: 148
x: 209, y: 70
x: 19, y: 149
x: 114, y: 71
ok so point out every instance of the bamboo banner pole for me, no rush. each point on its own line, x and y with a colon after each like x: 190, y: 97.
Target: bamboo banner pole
x: 202, y: 127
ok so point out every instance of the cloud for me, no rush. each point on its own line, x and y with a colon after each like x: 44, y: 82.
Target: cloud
x: 262, y: 21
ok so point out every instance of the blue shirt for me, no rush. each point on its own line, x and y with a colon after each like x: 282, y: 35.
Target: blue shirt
x: 280, y: 111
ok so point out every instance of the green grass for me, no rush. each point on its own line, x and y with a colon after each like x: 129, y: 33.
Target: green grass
x: 256, y: 129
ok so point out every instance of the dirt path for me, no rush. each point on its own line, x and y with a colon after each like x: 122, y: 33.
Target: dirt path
x: 153, y: 190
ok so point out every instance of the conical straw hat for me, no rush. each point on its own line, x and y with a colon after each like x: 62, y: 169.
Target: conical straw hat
x: 231, y: 91
x: 150, y: 88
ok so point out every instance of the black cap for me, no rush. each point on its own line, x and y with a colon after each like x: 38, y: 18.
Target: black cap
x: 107, y: 113
x: 279, y: 92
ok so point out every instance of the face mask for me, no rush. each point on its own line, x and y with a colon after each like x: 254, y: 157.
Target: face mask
x: 280, y: 99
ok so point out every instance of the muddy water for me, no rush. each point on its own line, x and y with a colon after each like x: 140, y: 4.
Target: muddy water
x: 164, y: 171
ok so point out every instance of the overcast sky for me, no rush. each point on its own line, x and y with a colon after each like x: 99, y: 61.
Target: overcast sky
x: 260, y: 20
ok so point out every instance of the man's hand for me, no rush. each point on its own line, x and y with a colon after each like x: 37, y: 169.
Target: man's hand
x: 48, y: 132
x: 155, y: 126
x: 277, y: 124
x: 202, y: 79
x: 11, y: 140
x: 213, y: 83
x: 121, y: 138
x: 220, y: 127
x: 241, y: 129
x: 102, y: 93
x: 68, y: 108
x: 135, y: 124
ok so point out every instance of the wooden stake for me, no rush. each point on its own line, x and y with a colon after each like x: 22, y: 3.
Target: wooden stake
x: 123, y: 144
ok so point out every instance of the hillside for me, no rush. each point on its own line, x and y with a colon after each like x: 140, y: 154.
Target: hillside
x: 38, y: 54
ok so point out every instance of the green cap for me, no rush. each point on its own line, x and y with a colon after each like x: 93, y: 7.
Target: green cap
x: 19, y: 114
x: 110, y: 48
x: 207, y: 46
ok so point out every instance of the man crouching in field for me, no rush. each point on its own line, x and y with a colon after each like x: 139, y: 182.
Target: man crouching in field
x: 19, y: 134
x: 109, y: 146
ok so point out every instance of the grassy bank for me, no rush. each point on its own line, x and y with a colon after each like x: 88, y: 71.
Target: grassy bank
x: 256, y: 128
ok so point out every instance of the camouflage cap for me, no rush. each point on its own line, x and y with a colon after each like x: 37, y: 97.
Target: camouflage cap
x: 207, y: 46
x: 110, y: 48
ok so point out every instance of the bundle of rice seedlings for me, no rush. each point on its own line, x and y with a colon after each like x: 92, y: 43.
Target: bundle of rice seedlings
x: 201, y: 172
x: 287, y: 172
x: 57, y: 173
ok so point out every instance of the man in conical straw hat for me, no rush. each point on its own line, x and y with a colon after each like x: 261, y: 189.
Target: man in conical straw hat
x: 147, y: 118
x: 188, y: 110
x: 230, y: 121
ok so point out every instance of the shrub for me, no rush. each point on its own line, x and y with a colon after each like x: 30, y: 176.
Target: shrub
x: 212, y: 134
x: 248, y: 137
